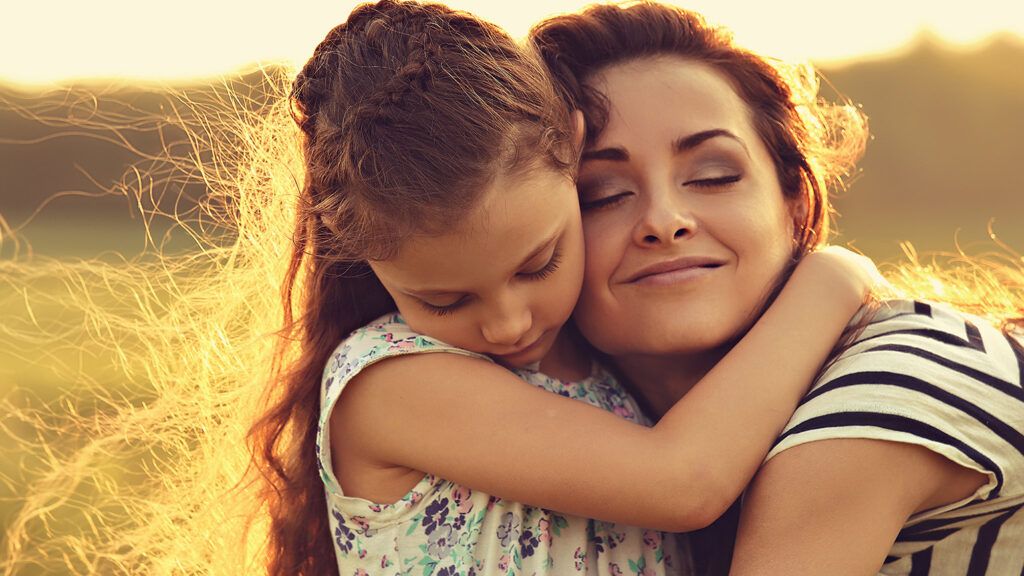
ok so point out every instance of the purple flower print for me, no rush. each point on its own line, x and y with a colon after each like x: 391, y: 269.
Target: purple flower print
x: 344, y: 538
x: 441, y: 541
x: 508, y: 530
x: 544, y: 530
x: 447, y: 571
x: 528, y: 543
x: 624, y: 412
x: 362, y: 526
x: 615, y: 538
x: 652, y: 539
x: 462, y: 496
x: 437, y: 513
x: 580, y: 559
x: 459, y: 522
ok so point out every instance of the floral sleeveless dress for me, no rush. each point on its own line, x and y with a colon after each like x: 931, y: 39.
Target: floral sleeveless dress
x: 440, y: 528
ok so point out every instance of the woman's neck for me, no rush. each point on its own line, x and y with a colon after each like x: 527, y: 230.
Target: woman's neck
x: 660, y: 381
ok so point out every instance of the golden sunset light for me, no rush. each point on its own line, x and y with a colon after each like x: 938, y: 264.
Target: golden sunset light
x: 216, y: 215
x: 43, y: 43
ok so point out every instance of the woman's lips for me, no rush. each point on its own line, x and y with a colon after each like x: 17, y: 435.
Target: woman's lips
x: 675, y: 270
x: 676, y: 276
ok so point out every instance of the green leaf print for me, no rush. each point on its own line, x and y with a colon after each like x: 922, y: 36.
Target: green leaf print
x: 415, y: 524
x: 557, y: 523
x: 638, y: 566
x: 429, y: 565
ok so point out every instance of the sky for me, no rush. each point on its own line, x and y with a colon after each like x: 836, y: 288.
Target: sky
x: 47, y: 42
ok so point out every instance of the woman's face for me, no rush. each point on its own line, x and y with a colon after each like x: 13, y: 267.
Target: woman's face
x: 504, y: 279
x: 686, y: 228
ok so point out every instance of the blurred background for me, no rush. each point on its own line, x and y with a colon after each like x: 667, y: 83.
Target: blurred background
x: 942, y: 86
x: 86, y: 98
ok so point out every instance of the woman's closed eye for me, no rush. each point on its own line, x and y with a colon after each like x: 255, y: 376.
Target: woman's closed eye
x: 603, y: 191
x: 603, y: 202
x: 715, y: 182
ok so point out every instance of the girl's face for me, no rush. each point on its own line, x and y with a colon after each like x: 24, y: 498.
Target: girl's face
x: 686, y: 226
x: 504, y: 280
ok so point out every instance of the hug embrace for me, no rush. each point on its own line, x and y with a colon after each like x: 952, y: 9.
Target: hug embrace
x: 560, y: 304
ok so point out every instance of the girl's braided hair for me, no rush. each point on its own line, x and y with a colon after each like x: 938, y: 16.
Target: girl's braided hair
x: 408, y: 111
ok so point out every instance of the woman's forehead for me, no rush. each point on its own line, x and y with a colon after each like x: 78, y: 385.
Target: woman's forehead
x: 668, y: 94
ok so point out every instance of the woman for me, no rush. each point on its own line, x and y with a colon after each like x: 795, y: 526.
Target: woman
x: 902, y: 459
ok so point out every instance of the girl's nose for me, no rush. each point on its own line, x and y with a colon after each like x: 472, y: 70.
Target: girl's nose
x: 506, y: 323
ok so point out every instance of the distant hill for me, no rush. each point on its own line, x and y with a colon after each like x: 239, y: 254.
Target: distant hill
x: 947, y: 151
x: 64, y: 150
x: 946, y: 154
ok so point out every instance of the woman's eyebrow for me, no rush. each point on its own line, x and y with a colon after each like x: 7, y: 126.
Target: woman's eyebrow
x: 681, y: 144
x: 686, y: 143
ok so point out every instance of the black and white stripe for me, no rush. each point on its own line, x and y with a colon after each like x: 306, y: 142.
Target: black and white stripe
x: 921, y: 373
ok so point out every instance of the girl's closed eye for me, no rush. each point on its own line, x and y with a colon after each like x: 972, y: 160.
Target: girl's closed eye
x: 443, y: 309
x: 547, y: 270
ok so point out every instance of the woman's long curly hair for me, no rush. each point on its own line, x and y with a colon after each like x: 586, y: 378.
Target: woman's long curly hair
x: 407, y: 111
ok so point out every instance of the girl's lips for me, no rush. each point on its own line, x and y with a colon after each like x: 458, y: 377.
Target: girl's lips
x: 521, y: 351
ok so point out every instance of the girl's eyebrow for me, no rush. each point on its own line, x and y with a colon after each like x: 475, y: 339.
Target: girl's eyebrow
x: 541, y: 248
x: 614, y: 153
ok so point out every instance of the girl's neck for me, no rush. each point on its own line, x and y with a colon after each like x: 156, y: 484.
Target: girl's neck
x: 569, y: 357
x: 659, y: 382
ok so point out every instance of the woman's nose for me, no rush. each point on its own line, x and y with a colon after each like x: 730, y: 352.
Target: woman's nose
x: 665, y: 218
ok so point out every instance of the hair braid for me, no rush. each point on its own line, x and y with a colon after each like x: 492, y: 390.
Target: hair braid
x: 406, y: 111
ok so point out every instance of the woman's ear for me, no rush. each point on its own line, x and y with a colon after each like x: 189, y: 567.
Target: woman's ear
x: 579, y: 129
x: 798, y: 212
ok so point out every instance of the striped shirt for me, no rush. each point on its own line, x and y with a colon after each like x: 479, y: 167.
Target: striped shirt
x: 923, y: 374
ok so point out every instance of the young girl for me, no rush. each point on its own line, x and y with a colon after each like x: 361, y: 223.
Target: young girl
x: 439, y: 182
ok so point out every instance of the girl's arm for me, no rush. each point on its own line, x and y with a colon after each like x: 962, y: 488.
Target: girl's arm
x: 835, y: 506
x: 476, y: 424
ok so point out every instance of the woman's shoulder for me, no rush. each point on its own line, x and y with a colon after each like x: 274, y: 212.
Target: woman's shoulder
x: 923, y: 373
x: 932, y: 331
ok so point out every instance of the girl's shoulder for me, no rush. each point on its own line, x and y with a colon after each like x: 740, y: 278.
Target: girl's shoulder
x: 386, y: 337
